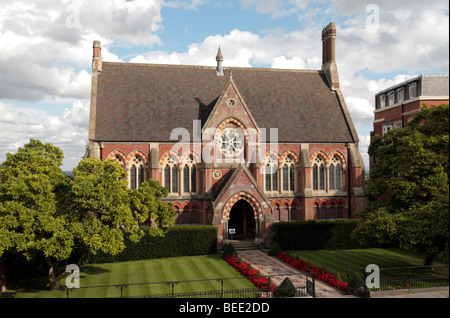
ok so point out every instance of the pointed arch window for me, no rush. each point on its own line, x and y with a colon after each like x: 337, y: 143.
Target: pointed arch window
x: 271, y: 173
x: 332, y: 211
x: 137, y: 172
x: 335, y: 174
x: 120, y: 161
x: 319, y: 174
x: 190, y: 176
x: 276, y: 213
x: 340, y: 211
x: 323, y: 211
x: 289, y: 174
x: 171, y: 175
x: 316, y: 211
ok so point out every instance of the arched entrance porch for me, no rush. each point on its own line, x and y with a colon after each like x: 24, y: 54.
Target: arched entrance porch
x: 242, y: 221
x: 246, y: 218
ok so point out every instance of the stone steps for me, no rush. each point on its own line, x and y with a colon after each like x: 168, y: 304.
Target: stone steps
x: 244, y: 245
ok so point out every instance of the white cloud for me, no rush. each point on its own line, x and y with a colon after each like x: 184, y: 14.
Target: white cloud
x: 47, y: 51
x: 68, y: 131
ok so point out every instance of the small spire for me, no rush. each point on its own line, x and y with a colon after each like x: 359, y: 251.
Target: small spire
x: 219, y: 56
x: 219, y: 59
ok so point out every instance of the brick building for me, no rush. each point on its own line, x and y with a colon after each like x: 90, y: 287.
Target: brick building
x: 239, y: 148
x: 398, y: 104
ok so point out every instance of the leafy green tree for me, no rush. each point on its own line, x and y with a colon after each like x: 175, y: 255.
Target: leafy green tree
x: 409, y: 179
x: 29, y: 219
x: 146, y: 201
x: 106, y: 211
x: 43, y: 211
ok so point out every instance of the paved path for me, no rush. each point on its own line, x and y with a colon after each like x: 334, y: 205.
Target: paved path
x: 273, y: 266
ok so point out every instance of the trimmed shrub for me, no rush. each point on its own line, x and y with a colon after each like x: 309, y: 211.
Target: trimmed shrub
x: 315, y: 235
x: 184, y: 240
x: 229, y: 250
x: 286, y: 289
x: 274, y: 249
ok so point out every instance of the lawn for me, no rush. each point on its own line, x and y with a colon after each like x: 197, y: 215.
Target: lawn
x: 336, y: 261
x: 155, y: 271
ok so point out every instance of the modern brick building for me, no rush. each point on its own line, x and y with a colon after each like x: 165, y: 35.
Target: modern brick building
x: 239, y: 148
x: 398, y: 104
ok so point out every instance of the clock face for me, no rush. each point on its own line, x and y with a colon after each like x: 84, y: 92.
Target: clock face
x: 231, y: 142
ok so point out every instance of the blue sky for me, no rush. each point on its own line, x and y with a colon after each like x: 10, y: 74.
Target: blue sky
x: 45, y: 61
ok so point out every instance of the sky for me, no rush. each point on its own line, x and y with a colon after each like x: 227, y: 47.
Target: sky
x: 46, y: 52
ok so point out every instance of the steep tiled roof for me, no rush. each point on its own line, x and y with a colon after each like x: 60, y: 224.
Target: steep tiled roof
x: 144, y: 102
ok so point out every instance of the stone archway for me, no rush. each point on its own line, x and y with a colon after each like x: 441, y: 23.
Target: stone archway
x: 252, y: 217
x: 242, y: 220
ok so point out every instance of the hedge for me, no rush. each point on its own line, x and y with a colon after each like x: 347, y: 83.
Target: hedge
x: 184, y: 240
x: 316, y: 235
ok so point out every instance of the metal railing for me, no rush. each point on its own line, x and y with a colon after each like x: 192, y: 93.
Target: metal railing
x: 219, y: 292
x: 398, y: 278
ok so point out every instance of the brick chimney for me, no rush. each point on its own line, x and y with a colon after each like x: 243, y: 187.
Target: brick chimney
x: 219, y: 59
x: 329, y: 55
x: 97, y: 57
x: 94, y: 147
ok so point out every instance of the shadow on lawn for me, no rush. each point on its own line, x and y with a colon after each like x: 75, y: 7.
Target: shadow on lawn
x: 92, y: 270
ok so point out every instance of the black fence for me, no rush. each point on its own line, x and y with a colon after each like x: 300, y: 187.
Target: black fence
x: 397, y: 278
x: 123, y: 291
x: 299, y: 291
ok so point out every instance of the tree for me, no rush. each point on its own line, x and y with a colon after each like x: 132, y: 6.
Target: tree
x: 410, y: 180
x: 29, y: 219
x: 106, y: 211
x: 43, y: 211
x: 146, y: 201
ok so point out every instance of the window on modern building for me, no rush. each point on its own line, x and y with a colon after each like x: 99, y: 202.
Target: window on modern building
x: 382, y: 101
x: 387, y: 127
x: 289, y: 174
x: 319, y: 174
x: 137, y: 172
x: 412, y: 90
x: 335, y: 174
x: 400, y: 95
x: 390, y: 98
x: 271, y: 173
x: 171, y: 175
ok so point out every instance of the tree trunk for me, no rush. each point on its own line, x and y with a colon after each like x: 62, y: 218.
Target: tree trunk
x: 55, y: 274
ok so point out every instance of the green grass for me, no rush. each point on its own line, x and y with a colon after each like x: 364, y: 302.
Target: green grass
x: 336, y: 261
x: 153, y: 271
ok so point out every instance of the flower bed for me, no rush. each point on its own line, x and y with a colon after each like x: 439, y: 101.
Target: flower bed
x: 252, y: 274
x: 320, y: 274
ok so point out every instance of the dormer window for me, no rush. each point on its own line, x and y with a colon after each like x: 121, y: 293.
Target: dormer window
x: 412, y: 90
x: 400, y: 95
x: 382, y: 101
x: 390, y: 98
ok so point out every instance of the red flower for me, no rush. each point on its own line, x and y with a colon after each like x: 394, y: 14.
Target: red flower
x: 251, y: 273
x: 320, y: 274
